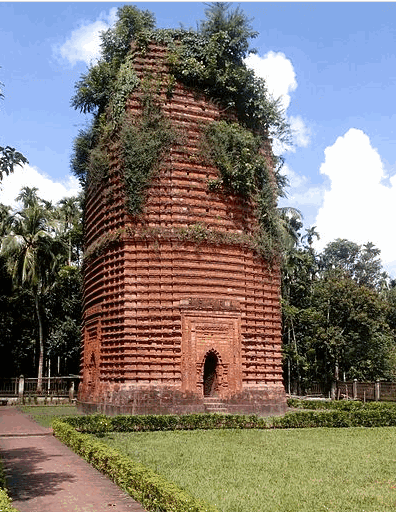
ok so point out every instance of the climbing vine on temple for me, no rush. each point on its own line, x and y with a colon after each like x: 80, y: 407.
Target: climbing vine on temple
x: 209, y: 60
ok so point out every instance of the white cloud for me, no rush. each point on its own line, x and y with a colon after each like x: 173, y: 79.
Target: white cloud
x: 301, y: 133
x: 295, y: 180
x: 84, y: 42
x: 357, y: 206
x: 300, y: 193
x: 28, y: 176
x: 278, y: 72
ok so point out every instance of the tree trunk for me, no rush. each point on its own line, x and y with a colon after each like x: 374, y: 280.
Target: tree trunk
x: 69, y: 256
x: 41, y: 346
x: 297, y: 362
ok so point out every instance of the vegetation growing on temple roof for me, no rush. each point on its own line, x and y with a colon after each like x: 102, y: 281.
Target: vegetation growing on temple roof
x: 210, y: 60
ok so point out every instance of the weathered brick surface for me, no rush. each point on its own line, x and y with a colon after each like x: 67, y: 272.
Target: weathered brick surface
x: 157, y: 303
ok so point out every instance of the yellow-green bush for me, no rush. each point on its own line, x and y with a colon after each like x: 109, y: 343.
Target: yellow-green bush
x: 5, y: 500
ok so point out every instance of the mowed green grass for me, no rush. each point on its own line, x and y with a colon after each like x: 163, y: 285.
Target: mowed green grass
x: 310, y: 470
x: 44, y: 414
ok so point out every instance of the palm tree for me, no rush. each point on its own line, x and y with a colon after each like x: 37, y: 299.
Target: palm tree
x: 28, y: 196
x: 68, y: 213
x: 290, y: 224
x: 32, y: 255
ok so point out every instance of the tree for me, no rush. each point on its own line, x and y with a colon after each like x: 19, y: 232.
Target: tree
x: 360, y: 262
x: 63, y: 318
x: 32, y: 256
x: 232, y: 27
x: 94, y: 89
x: 68, y: 214
x: 9, y: 158
x: 299, y: 267
x: 60, y: 304
x: 346, y: 330
x: 29, y: 197
x: 338, y: 316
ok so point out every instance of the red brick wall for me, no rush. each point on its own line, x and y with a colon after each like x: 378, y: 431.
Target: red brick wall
x: 156, y: 304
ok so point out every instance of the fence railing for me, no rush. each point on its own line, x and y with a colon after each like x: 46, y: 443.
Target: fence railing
x: 23, y: 387
x: 316, y: 389
x: 9, y: 387
x: 355, y: 390
x: 351, y: 390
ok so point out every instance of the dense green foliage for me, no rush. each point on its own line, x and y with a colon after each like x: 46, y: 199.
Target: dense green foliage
x: 5, y: 502
x: 40, y: 286
x: 337, y: 314
x: 209, y: 59
x: 245, y: 171
x: 100, y: 423
x: 143, y: 141
x: 9, y: 158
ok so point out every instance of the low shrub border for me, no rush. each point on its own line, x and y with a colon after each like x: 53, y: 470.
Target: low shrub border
x: 100, y: 423
x: 343, y: 405
x: 153, y: 491
x: 5, y: 500
x: 349, y: 414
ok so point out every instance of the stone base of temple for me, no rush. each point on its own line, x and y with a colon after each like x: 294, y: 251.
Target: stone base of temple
x: 266, y: 401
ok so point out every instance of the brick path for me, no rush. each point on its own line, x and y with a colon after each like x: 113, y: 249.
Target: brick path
x: 44, y: 475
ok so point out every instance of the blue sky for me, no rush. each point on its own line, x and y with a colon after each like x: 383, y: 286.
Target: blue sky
x: 333, y: 65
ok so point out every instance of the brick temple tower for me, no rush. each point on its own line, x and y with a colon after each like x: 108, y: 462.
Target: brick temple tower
x: 180, y: 315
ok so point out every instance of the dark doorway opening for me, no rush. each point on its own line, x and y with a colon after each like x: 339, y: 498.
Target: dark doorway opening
x: 210, y: 375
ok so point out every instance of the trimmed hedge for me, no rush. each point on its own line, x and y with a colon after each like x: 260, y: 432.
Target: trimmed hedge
x: 153, y: 491
x: 343, y: 405
x: 100, y: 423
x: 5, y: 500
x: 333, y: 414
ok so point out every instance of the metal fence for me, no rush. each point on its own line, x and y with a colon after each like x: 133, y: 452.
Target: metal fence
x: 316, y: 389
x: 355, y: 390
x: 352, y: 390
x: 9, y: 387
x: 21, y: 387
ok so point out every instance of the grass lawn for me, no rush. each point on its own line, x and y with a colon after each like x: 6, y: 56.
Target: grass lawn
x: 296, y: 470
x: 44, y: 414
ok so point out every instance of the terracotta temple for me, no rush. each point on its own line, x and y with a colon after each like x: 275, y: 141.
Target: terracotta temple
x: 175, y: 323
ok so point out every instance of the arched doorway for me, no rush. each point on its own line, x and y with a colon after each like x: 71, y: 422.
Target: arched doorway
x: 210, y: 376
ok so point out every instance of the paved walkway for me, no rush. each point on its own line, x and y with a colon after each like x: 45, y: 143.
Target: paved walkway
x: 44, y: 475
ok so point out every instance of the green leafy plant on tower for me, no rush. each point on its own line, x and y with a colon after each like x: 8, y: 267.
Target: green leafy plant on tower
x: 210, y: 60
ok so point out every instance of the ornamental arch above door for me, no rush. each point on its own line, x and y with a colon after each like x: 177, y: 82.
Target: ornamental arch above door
x: 211, y: 352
